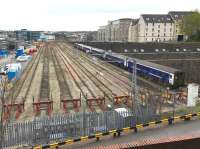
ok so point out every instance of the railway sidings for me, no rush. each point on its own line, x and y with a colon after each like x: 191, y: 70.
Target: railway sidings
x: 63, y: 79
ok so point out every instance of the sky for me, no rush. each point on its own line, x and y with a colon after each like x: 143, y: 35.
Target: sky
x: 79, y: 15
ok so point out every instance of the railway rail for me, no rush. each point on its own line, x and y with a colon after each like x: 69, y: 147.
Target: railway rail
x: 89, y: 70
x: 44, y: 102
x: 141, y: 81
x: 18, y: 93
x: 65, y: 93
x: 80, y: 83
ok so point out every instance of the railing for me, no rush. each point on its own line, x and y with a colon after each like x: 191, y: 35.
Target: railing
x: 59, y: 130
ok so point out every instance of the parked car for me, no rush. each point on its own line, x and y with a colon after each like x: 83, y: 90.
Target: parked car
x: 23, y: 58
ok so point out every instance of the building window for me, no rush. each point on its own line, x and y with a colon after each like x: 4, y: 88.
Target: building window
x: 176, y: 31
x: 146, y: 34
x: 146, y: 29
x: 147, y: 24
x: 152, y: 39
x: 146, y: 39
x: 158, y: 31
x: 153, y: 24
x: 164, y: 29
x: 164, y: 24
x: 164, y: 39
x: 152, y: 29
x: 152, y: 34
x: 158, y: 35
x: 158, y: 26
x: 164, y: 34
x: 170, y: 29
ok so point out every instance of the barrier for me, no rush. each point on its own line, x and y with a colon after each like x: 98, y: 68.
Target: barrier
x: 117, y: 132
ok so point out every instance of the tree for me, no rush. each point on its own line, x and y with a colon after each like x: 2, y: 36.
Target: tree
x: 191, y: 26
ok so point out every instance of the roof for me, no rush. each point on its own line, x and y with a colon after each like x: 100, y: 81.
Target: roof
x: 157, y: 18
x: 122, y: 19
x: 178, y: 15
x: 156, y: 66
x: 134, y: 22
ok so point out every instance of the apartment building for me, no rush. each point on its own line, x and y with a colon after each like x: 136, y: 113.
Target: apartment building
x: 148, y: 28
x: 115, y: 31
x: 177, y: 17
x: 133, y: 31
x: 154, y: 28
x: 101, y: 34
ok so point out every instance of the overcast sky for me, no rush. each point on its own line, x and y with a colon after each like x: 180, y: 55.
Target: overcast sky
x: 70, y: 15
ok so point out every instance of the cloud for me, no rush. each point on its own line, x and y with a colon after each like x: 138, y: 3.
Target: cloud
x: 80, y: 14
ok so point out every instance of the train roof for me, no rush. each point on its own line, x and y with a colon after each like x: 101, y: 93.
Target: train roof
x: 117, y: 55
x: 156, y: 66
x: 98, y: 50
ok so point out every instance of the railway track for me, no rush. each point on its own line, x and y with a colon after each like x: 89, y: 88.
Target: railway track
x: 80, y: 83
x: 141, y: 81
x: 20, y: 91
x: 112, y: 75
x: 44, y: 88
x: 63, y: 85
x: 31, y: 76
x: 97, y: 81
x: 15, y: 90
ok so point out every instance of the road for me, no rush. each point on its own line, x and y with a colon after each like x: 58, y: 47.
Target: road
x: 176, y: 130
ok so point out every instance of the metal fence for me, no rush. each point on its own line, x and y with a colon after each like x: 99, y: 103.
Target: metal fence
x: 60, y: 127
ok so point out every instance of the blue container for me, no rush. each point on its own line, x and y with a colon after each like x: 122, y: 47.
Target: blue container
x: 19, y: 52
x: 3, y: 53
x: 11, y: 75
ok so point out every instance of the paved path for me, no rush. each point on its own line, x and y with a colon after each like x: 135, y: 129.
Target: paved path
x: 179, y: 129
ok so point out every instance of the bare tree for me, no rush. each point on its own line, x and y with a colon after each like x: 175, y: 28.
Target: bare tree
x: 3, y: 88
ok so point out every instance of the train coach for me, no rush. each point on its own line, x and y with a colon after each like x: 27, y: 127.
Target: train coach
x: 162, y: 74
x: 82, y: 47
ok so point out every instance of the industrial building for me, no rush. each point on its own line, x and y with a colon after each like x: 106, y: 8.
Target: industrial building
x: 26, y: 35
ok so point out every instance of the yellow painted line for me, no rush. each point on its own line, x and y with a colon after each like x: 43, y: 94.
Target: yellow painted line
x: 126, y: 129
x: 139, y: 126
x: 188, y: 115
x: 98, y: 135
x: 152, y: 123
x: 112, y: 131
x: 164, y: 120
x: 84, y: 138
x: 177, y: 117
x: 69, y: 141
x: 38, y: 147
x: 53, y: 145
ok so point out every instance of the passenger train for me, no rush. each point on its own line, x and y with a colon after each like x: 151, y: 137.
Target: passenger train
x: 163, y: 74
